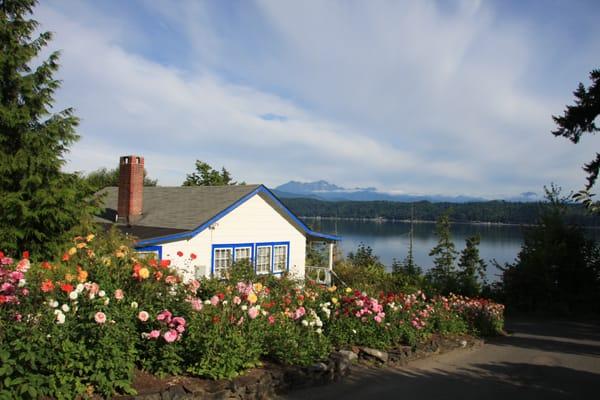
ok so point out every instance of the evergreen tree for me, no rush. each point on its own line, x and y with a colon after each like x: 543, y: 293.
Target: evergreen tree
x: 557, y: 269
x: 39, y: 204
x: 471, y: 268
x: 577, y: 120
x: 443, y: 274
x: 205, y: 175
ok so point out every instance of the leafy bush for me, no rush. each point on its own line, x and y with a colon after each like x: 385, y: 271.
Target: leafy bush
x: 80, y: 324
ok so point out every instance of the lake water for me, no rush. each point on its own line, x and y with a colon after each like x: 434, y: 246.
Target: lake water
x: 390, y: 240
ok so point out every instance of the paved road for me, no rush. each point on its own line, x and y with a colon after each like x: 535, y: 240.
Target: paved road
x: 540, y: 360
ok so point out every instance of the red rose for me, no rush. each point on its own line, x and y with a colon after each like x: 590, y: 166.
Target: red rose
x: 26, y: 255
x: 67, y: 287
x: 165, y: 263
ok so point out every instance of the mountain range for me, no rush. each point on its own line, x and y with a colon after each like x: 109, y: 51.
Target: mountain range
x: 323, y: 190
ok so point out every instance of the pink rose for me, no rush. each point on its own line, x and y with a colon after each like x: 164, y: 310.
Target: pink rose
x: 178, y: 321
x: 143, y: 316
x: 119, y: 294
x: 16, y: 275
x: 253, y: 312
x: 196, y: 304
x: 299, y: 313
x: 378, y: 319
x: 154, y: 334
x: 214, y: 300
x: 194, y: 285
x: 164, y: 316
x: 170, y: 336
x: 23, y: 265
x: 271, y: 320
x: 94, y: 288
x: 237, y: 300
x: 100, y: 317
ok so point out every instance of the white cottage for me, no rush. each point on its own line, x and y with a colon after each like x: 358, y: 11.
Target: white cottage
x: 219, y: 225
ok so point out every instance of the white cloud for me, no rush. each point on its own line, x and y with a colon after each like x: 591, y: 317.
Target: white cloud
x: 405, y: 97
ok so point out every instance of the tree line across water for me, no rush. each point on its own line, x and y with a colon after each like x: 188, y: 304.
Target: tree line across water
x: 496, y: 211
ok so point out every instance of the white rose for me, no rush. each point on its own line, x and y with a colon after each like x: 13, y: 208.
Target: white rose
x: 53, y: 303
x: 22, y: 282
x: 304, y: 322
x: 319, y: 331
x: 101, y: 293
x: 244, y: 307
x: 65, y: 308
x: 79, y: 288
x: 106, y: 301
x: 60, y: 318
x: 134, y: 304
x: 73, y: 295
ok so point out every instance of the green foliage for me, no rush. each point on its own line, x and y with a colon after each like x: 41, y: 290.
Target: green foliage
x: 577, y: 120
x: 39, y: 204
x: 471, y: 268
x: 103, y: 177
x: 443, y: 275
x: 293, y: 344
x: 205, y: 175
x: 557, y: 269
x: 364, y: 258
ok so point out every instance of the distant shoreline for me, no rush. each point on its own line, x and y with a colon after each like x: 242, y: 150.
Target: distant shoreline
x: 416, y: 221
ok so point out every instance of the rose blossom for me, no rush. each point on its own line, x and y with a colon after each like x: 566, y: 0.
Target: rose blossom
x: 170, y: 336
x: 119, y: 294
x: 143, y: 316
x: 214, y: 300
x: 100, y: 317
x: 164, y: 316
x: 253, y: 312
x: 237, y: 300
x: 154, y: 334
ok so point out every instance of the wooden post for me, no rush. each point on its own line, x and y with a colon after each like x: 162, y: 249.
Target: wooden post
x: 331, y: 256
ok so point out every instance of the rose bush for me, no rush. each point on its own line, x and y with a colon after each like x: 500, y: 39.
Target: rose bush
x: 80, y: 324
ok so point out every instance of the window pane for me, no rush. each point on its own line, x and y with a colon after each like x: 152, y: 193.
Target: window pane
x: 223, y: 261
x: 280, y: 258
x: 263, y: 260
x: 242, y: 253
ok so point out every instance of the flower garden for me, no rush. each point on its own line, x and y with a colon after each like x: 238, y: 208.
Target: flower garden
x: 80, y: 325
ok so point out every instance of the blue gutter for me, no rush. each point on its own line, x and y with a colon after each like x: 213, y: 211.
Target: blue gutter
x: 260, y: 189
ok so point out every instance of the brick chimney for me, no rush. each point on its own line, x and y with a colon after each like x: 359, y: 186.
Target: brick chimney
x: 131, y: 188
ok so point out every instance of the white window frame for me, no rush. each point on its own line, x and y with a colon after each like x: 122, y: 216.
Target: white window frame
x: 284, y: 262
x: 235, y: 255
x: 219, y: 271
x: 258, y: 260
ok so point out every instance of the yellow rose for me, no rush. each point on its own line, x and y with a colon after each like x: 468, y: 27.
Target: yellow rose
x: 69, y: 277
x: 348, y: 290
x: 252, y: 298
x: 144, y: 273
x: 332, y: 289
x: 81, y: 245
x: 90, y: 237
x: 258, y: 287
x: 119, y: 254
x: 106, y: 261
x: 72, y: 251
x: 334, y: 300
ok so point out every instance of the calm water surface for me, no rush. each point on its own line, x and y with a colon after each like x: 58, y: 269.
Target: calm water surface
x: 390, y: 240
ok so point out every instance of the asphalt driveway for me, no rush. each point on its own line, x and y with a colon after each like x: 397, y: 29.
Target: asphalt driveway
x: 541, y: 359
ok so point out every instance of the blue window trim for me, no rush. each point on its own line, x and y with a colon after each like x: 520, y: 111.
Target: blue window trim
x: 272, y: 246
x: 260, y: 190
x: 158, y: 249
x: 253, y: 251
x: 231, y: 246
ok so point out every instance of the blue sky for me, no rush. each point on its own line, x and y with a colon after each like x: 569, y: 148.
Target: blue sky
x: 408, y: 97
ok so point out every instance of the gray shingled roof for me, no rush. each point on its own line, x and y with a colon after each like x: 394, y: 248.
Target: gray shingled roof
x: 178, y: 207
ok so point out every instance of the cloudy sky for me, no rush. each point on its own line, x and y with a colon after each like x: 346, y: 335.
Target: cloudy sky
x: 409, y: 97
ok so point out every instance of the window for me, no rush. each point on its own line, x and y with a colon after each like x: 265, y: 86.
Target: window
x: 222, y: 261
x: 280, y: 258
x: 146, y: 255
x: 263, y: 259
x: 243, y: 254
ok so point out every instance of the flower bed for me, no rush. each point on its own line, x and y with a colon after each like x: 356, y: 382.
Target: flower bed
x: 81, y: 324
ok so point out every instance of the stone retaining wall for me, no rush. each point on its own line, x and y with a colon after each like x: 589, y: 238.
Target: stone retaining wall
x: 272, y: 379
